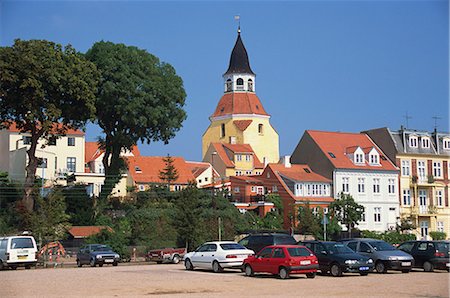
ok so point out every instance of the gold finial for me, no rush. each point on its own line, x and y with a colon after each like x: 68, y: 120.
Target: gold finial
x: 238, y: 18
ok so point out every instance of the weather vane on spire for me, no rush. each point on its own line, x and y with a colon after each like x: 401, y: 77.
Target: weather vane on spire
x: 238, y: 18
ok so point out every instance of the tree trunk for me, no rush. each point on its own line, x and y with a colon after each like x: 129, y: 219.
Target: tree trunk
x: 28, y: 199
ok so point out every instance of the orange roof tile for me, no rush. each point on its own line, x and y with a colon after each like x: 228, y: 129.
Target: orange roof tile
x: 86, y: 231
x: 226, y: 152
x: 239, y: 103
x: 298, y: 172
x: 151, y: 165
x: 91, y: 151
x: 13, y: 128
x: 242, y: 124
x: 338, y: 142
x: 197, y: 168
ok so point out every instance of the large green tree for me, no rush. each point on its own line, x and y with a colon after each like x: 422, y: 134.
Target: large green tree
x: 139, y: 99
x: 347, y: 211
x: 43, y: 84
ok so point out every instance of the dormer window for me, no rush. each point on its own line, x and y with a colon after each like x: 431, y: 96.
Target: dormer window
x: 425, y: 142
x: 229, y: 85
x: 446, y: 144
x: 240, y: 84
x: 250, y: 85
x: 374, y: 157
x: 137, y: 169
x: 413, y: 142
x: 359, y: 158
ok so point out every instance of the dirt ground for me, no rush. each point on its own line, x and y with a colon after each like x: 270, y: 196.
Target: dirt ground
x: 173, y: 281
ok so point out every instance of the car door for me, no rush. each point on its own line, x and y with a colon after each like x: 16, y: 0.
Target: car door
x: 262, y: 259
x: 365, y: 250
x: 423, y: 251
x: 278, y: 257
x: 198, y: 257
x: 323, y: 256
x: 84, y: 255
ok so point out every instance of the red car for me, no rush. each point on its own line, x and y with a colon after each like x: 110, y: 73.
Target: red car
x: 282, y: 260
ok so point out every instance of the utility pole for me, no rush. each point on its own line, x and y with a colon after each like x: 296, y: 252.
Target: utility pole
x: 220, y: 229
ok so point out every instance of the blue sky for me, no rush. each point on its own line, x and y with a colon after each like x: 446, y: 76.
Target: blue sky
x: 323, y: 65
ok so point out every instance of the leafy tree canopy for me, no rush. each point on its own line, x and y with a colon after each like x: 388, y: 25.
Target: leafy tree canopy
x: 347, y: 211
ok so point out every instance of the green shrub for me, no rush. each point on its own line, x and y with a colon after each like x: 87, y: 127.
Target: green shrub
x: 438, y: 235
x: 392, y: 237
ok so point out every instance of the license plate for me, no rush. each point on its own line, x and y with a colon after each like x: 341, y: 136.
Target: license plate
x: 305, y: 262
x: 406, y: 263
x: 109, y: 261
x: 22, y: 257
x: 363, y: 268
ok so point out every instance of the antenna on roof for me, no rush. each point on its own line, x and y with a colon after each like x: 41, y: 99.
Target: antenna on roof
x: 238, y: 18
x: 436, y: 118
x: 407, y: 119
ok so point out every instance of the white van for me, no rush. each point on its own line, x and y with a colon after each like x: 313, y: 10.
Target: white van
x: 18, y: 251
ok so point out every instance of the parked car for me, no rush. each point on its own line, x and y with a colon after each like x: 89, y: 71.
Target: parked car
x: 97, y: 254
x: 283, y: 260
x: 217, y: 256
x: 336, y: 258
x: 167, y: 255
x: 258, y: 241
x: 428, y: 255
x: 18, y: 251
x: 385, y: 256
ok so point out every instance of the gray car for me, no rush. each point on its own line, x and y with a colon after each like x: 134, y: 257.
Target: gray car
x: 97, y: 254
x: 385, y: 256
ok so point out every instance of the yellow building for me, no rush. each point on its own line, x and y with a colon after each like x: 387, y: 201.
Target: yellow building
x: 240, y: 117
x: 423, y: 159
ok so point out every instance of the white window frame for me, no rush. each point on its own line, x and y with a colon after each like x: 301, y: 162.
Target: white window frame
x: 377, y: 214
x: 359, y: 158
x: 361, y: 185
x: 446, y: 144
x: 376, y: 185
x: 406, y: 197
x: 238, y: 157
x: 437, y: 169
x: 439, y: 197
x: 71, y: 160
x: 70, y: 141
x: 374, y: 159
x: 440, y: 226
x: 345, y: 185
x: 406, y: 167
x: 274, y: 188
x: 236, y: 189
x: 391, y: 186
x: 413, y: 141
x: 248, y: 157
x: 422, y: 170
x: 425, y: 142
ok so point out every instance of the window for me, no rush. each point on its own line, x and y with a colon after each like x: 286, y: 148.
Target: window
x: 391, y: 185
x: 248, y: 157
x: 253, y: 188
x: 413, y: 141
x: 238, y: 173
x: 26, y: 140
x: 141, y: 187
x: 138, y: 169
x: 363, y: 216
x: 446, y: 144
x: 315, y: 211
x: 70, y: 141
x: 240, y: 84
x: 266, y: 253
x: 278, y: 253
x: 238, y: 157
x: 331, y: 155
x: 177, y: 187
x: 71, y: 164
x: 374, y: 160
x: 364, y: 247
x: 359, y: 158
x: 42, y: 163
x: 377, y: 214
x: 248, y: 173
x: 52, y: 141
x: 376, y: 185
x: 437, y: 169
x: 250, y: 85
x: 425, y: 142
x: 274, y: 188
x: 439, y: 198
x: 222, y: 130
x: 421, y: 170
x: 424, y: 230
x: 236, y: 189
x: 406, y: 197
x: 361, y: 186
x: 229, y: 85
x: 260, y: 129
x: 405, y: 168
x: 440, y: 226
x: 345, y: 186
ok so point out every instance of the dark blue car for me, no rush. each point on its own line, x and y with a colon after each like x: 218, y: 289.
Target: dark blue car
x: 97, y: 254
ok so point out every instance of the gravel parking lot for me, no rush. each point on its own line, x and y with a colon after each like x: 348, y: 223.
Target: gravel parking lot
x: 172, y: 280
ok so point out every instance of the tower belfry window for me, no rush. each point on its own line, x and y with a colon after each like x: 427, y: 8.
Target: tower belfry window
x: 222, y: 130
x: 250, y: 85
x: 240, y: 84
x: 229, y: 85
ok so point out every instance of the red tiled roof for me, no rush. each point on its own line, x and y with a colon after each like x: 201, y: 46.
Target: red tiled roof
x: 242, y: 124
x: 197, y: 168
x: 151, y: 165
x: 91, y: 151
x: 13, y: 128
x: 223, y: 148
x: 337, y: 144
x: 248, y: 179
x: 297, y: 172
x: 86, y: 231
x: 239, y: 103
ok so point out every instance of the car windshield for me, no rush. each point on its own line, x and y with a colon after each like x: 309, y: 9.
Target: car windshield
x: 231, y: 246
x: 443, y: 246
x: 285, y: 240
x: 381, y: 246
x: 21, y: 243
x: 298, y: 252
x: 101, y: 248
x: 337, y: 248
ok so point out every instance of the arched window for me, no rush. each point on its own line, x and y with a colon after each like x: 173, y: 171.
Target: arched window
x: 229, y: 85
x: 222, y: 130
x: 250, y: 85
x: 240, y: 84
x: 260, y: 129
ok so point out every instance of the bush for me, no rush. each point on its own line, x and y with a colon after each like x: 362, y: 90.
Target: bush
x: 438, y: 235
x: 393, y: 237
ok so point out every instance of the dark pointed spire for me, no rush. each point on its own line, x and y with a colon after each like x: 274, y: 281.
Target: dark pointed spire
x: 239, y: 58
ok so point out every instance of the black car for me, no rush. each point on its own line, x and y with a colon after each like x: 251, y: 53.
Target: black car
x: 428, y: 255
x: 258, y: 241
x: 97, y: 254
x: 336, y: 258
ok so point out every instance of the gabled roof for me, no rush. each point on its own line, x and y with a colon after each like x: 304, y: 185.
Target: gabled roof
x: 86, y: 231
x: 150, y: 166
x: 91, y: 151
x: 238, y: 103
x: 56, y: 127
x: 239, y: 58
x: 227, y: 151
x: 337, y: 143
x: 298, y: 173
x: 197, y: 168
x: 242, y: 124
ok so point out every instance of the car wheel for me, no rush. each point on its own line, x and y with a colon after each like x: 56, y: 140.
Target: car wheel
x: 248, y: 270
x: 176, y: 259
x: 311, y: 275
x: 335, y: 270
x: 1, y: 265
x: 364, y: 273
x: 216, y: 267
x: 158, y: 262
x: 380, y: 267
x: 13, y: 267
x: 92, y: 263
x: 406, y: 270
x: 100, y: 264
x: 115, y: 264
x: 283, y: 273
x: 428, y: 267
x: 188, y: 265
x: 79, y: 263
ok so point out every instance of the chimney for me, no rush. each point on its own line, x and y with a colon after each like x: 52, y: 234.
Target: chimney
x: 286, y: 161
